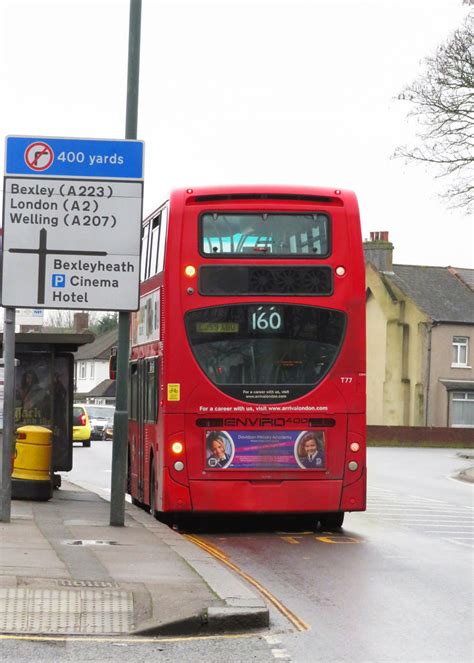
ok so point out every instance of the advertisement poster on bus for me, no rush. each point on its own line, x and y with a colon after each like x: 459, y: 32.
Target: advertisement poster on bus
x: 265, y: 450
x: 146, y: 321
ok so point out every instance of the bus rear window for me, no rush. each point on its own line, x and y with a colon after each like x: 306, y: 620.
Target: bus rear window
x: 265, y: 352
x: 264, y: 234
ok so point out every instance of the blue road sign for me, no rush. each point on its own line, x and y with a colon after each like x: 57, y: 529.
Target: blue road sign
x: 58, y: 280
x: 74, y: 157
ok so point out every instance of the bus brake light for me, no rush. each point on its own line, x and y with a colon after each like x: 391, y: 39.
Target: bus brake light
x: 355, y: 446
x: 177, y: 447
x: 340, y: 271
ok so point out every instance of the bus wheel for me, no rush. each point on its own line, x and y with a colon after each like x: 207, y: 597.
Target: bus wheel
x: 332, y: 521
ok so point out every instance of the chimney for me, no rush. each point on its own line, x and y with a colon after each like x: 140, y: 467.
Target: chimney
x: 81, y: 322
x: 379, y: 251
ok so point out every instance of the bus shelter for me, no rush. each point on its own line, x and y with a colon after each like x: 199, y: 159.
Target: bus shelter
x: 44, y: 387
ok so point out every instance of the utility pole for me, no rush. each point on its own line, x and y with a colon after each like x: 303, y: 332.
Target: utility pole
x: 7, y: 442
x: 120, y: 442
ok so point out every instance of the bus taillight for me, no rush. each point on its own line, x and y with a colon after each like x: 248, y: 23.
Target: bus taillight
x: 177, y: 450
x: 355, y: 446
x: 190, y: 271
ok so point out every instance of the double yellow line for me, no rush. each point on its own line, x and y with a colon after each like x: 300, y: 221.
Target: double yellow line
x: 298, y: 623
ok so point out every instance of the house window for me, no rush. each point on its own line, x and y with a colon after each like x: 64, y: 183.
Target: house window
x: 460, y: 351
x: 92, y: 369
x: 462, y: 409
x: 82, y: 370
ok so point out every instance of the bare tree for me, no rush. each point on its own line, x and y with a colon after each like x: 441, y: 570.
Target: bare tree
x: 442, y: 101
x: 63, y: 319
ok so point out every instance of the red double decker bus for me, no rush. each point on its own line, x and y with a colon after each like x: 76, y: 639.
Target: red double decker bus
x: 247, y: 373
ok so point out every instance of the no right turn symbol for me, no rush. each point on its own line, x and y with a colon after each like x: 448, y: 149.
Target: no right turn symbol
x: 39, y: 156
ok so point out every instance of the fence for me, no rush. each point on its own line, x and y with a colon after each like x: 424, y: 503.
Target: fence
x: 420, y: 436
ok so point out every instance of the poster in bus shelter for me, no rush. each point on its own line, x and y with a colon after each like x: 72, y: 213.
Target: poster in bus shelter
x: 41, y: 397
x: 265, y: 450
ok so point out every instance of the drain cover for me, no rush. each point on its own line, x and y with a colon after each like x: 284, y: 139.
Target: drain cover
x: 90, y: 542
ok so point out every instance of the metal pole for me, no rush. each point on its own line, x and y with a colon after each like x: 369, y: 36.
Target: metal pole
x: 8, y: 414
x: 120, y: 442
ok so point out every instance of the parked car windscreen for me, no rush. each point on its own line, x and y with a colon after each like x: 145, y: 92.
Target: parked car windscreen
x: 100, y: 411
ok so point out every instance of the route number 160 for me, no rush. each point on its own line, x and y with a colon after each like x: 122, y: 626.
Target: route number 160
x: 266, y: 319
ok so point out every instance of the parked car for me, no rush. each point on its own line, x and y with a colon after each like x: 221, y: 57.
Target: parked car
x: 81, y: 426
x: 101, y: 418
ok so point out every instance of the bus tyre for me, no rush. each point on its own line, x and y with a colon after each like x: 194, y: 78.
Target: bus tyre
x: 86, y: 443
x: 331, y: 521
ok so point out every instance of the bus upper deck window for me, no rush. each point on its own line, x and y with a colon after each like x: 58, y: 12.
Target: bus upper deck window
x: 265, y: 235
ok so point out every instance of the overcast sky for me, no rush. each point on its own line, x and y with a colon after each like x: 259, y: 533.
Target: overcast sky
x: 245, y: 92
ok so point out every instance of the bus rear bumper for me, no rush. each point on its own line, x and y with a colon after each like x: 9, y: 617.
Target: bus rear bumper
x: 269, y: 497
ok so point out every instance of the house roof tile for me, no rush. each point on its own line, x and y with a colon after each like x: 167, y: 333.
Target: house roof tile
x: 466, y: 275
x: 100, y: 348
x: 437, y: 291
x: 106, y: 388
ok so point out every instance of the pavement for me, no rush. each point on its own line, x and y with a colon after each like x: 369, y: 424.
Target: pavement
x: 65, y: 570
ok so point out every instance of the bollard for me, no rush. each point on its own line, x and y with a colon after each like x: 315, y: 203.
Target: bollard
x: 31, y: 477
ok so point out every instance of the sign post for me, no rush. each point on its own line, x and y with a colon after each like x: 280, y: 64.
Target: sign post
x: 119, y: 449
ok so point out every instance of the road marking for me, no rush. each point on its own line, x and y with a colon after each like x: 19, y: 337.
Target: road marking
x: 429, y: 516
x: 338, y: 539
x: 272, y: 639
x: 297, y: 622
x: 290, y: 539
x: 435, y: 531
x: 458, y: 542
x: 298, y: 534
x: 425, y: 499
